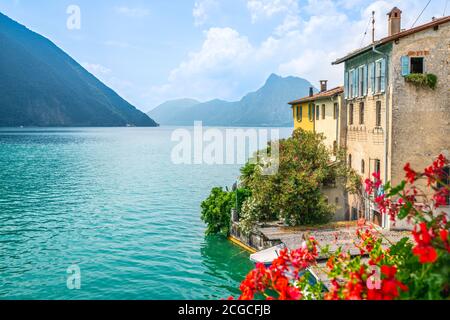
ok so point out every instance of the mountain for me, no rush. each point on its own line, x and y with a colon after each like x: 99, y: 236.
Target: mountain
x: 41, y: 85
x: 265, y: 107
x: 164, y: 112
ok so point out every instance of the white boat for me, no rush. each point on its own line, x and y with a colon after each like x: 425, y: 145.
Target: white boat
x: 268, y: 255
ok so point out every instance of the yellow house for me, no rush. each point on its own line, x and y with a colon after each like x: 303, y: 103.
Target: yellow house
x: 303, y: 114
x: 321, y: 113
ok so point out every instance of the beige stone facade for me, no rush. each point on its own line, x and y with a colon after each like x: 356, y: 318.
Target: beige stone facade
x: 392, y: 121
x: 420, y: 116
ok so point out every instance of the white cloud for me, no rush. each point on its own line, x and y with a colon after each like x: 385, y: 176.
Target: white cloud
x: 132, y: 12
x: 203, y: 9
x: 213, y: 71
x: 305, y: 43
x: 268, y: 8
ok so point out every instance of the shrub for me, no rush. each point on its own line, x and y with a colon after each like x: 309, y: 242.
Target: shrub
x: 216, y: 211
x: 423, y: 80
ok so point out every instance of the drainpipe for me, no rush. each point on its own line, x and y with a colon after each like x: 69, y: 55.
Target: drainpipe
x: 386, y: 119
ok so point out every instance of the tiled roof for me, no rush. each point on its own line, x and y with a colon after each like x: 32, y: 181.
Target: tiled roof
x: 394, y: 37
x: 320, y: 95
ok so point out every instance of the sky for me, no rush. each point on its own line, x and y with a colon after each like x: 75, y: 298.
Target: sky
x: 151, y: 51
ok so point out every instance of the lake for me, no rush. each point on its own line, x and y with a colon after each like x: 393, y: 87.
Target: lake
x: 111, y: 202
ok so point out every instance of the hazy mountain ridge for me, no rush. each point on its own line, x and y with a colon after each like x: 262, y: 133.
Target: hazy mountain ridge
x: 264, y: 107
x: 41, y: 85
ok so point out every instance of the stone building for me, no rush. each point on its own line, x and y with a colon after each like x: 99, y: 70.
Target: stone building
x: 391, y: 119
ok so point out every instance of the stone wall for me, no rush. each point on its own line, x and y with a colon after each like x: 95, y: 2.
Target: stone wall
x: 420, y: 116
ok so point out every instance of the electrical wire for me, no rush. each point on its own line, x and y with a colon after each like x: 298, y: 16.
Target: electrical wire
x: 426, y: 6
x: 365, y: 33
x: 445, y: 8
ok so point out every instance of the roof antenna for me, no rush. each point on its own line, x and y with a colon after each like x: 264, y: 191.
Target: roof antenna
x: 373, y: 26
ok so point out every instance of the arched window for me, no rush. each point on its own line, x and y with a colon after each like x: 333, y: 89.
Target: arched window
x: 363, y: 166
x: 317, y: 113
x: 323, y: 111
x: 349, y: 160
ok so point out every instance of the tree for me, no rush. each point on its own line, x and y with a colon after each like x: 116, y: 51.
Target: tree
x: 294, y: 193
x: 216, y: 211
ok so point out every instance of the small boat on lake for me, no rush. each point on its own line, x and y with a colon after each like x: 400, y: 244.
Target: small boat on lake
x: 268, y: 255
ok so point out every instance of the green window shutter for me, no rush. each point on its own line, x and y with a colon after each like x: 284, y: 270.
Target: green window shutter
x: 346, y: 85
x: 372, y: 76
x: 364, y: 93
x: 405, y: 66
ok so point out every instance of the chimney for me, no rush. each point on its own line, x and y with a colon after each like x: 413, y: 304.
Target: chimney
x: 394, y: 21
x: 311, y: 91
x: 323, y: 85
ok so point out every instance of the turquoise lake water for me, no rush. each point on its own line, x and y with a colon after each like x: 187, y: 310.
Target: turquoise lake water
x: 111, y: 201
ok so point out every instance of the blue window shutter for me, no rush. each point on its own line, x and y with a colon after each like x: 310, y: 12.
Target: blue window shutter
x: 383, y: 75
x: 355, y: 83
x: 346, y: 84
x: 373, y: 77
x: 405, y: 66
x: 364, y: 80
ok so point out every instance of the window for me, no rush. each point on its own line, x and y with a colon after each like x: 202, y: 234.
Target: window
x: 363, y: 166
x: 349, y: 160
x: 360, y: 81
x: 317, y: 113
x: 323, y: 111
x: 361, y: 113
x: 335, y: 111
x: 378, y: 114
x: 354, y: 214
x: 335, y: 147
x: 377, y: 166
x: 299, y: 113
x: 350, y: 114
x: 310, y: 112
x: 336, y: 200
x: 417, y: 65
x: 380, y: 76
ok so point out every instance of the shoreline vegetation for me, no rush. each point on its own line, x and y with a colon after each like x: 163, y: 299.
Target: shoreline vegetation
x: 293, y: 195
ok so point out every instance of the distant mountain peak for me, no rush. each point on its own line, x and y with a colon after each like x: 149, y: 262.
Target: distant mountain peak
x: 265, y: 107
